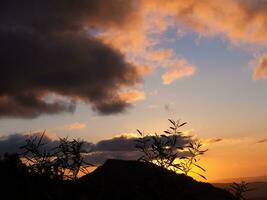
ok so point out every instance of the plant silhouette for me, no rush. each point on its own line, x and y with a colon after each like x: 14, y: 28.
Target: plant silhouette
x: 64, y: 161
x: 239, y: 190
x: 165, y: 150
x: 188, y: 163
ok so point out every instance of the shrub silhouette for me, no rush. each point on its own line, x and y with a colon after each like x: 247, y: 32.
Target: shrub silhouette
x: 12, y: 162
x: 165, y: 151
x: 64, y: 161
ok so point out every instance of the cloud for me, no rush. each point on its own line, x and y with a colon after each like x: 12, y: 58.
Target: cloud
x: 120, y: 143
x: 239, y: 20
x: 132, y: 96
x: 174, y: 66
x: 260, y: 70
x: 13, y: 142
x: 51, y: 49
x: 119, y: 147
x: 178, y: 69
x: 144, y: 69
x: 261, y: 141
x: 160, y: 55
x: 65, y: 16
x: 91, y: 51
x: 31, y: 105
x: 99, y: 157
x: 141, y: 42
x: 75, y: 126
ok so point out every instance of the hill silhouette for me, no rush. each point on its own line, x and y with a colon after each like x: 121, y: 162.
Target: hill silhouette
x: 115, y: 179
x: 120, y: 179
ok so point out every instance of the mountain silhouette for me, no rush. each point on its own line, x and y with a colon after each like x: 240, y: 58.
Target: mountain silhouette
x: 115, y: 179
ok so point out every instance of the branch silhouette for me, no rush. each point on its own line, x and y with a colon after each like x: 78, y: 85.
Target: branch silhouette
x: 165, y: 151
x: 65, y: 161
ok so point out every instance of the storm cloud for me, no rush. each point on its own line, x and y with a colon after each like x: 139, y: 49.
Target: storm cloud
x: 49, y: 48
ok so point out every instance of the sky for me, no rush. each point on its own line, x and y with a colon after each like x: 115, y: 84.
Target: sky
x: 99, y: 70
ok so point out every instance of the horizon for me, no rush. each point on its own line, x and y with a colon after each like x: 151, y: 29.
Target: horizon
x: 100, y: 70
x: 260, y: 179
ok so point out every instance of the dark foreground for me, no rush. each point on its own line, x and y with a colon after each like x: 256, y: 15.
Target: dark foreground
x: 258, y: 190
x: 116, y: 179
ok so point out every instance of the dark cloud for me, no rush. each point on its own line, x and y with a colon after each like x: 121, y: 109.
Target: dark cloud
x: 115, y: 148
x: 46, y: 49
x: 31, y: 105
x: 123, y: 148
x: 123, y: 143
x: 116, y: 144
x: 13, y: 142
x: 99, y: 157
x: 66, y: 15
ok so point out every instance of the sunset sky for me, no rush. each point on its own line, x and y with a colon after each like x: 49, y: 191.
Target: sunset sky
x: 101, y: 69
